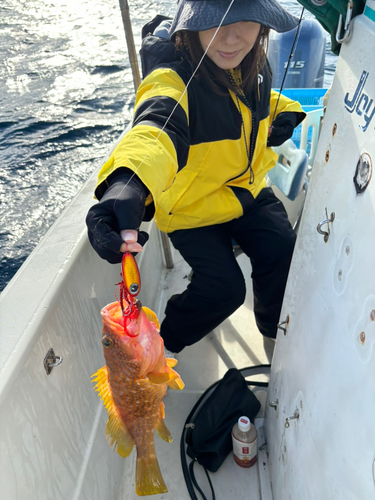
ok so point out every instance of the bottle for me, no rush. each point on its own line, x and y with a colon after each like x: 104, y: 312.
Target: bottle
x: 244, y: 439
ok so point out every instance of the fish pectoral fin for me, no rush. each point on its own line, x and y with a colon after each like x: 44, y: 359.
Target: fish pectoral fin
x: 161, y: 428
x: 116, y: 431
x: 159, y: 378
x: 169, y: 377
x: 118, y: 435
x: 171, y: 362
x: 176, y: 384
x: 151, y: 316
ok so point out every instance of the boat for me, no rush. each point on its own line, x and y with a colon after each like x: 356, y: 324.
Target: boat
x: 315, y: 427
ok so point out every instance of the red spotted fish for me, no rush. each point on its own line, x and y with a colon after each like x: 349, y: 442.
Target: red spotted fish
x: 134, y: 381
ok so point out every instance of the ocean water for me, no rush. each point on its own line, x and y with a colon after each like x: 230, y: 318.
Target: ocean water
x: 66, y: 93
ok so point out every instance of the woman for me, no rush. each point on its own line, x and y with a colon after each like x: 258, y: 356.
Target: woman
x: 197, y: 155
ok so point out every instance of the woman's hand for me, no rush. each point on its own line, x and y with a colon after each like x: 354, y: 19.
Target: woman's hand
x: 121, y: 206
x: 105, y: 236
x: 282, y: 128
x: 130, y: 237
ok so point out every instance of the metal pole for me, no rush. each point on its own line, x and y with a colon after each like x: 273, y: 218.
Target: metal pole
x: 125, y: 13
x: 167, y: 250
x: 124, y: 7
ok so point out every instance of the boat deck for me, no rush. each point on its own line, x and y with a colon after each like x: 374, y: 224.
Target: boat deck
x: 235, y: 343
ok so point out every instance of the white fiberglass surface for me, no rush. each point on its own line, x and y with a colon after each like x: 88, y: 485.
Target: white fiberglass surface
x: 323, y: 367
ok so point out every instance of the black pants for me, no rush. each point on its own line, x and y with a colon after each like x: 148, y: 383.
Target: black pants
x: 217, y: 286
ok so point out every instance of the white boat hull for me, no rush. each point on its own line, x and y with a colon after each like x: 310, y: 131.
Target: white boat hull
x: 324, y: 365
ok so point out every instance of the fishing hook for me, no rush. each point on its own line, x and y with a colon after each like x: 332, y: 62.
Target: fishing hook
x: 124, y: 297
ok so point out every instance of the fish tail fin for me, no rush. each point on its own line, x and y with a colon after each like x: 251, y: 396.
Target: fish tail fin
x: 148, y: 478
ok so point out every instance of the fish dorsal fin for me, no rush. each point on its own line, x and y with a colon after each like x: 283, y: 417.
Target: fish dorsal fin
x: 151, y: 316
x: 116, y: 432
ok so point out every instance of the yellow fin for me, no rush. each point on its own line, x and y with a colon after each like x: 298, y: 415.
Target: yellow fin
x: 176, y: 384
x: 148, y: 478
x: 151, y: 316
x: 170, y: 377
x: 118, y: 436
x: 171, y: 362
x: 103, y: 387
x: 161, y: 428
x: 160, y: 378
x: 116, y: 431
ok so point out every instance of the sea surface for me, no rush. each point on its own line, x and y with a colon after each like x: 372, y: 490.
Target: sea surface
x: 66, y: 93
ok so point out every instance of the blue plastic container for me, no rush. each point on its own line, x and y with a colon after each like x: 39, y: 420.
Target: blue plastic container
x: 310, y: 100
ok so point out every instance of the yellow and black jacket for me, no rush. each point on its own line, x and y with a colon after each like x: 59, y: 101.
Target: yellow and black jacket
x: 188, y: 148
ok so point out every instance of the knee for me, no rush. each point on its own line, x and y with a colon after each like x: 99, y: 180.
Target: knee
x: 228, y: 292
x: 236, y: 299
x: 280, y: 256
x: 288, y: 247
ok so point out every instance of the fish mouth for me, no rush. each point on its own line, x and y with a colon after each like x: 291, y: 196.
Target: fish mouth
x: 114, y: 319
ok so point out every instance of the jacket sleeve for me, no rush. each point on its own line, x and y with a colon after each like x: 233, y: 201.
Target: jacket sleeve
x: 285, y: 105
x: 157, y: 145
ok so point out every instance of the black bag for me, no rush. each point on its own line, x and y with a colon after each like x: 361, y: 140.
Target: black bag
x: 207, y: 431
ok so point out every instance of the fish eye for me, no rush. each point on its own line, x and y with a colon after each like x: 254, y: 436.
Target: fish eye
x: 107, y: 342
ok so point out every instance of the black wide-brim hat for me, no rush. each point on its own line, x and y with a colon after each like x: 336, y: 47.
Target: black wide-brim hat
x: 202, y: 15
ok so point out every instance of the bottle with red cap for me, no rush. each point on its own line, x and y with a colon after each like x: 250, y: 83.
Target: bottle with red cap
x: 244, y: 438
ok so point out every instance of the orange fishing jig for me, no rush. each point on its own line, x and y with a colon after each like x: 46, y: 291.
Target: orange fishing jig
x: 130, y: 274
x: 130, y: 285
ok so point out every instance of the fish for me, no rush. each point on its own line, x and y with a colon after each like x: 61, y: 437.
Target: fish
x: 132, y: 385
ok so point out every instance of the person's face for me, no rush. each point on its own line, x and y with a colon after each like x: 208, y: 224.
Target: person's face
x: 231, y: 43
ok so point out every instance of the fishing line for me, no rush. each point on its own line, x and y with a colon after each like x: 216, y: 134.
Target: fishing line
x: 178, y: 102
x: 291, y: 55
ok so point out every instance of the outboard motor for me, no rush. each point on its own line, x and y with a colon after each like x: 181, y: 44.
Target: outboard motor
x: 306, y: 68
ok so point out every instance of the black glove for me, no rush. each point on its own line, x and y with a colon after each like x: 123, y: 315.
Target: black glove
x: 121, y: 207
x: 282, y: 128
